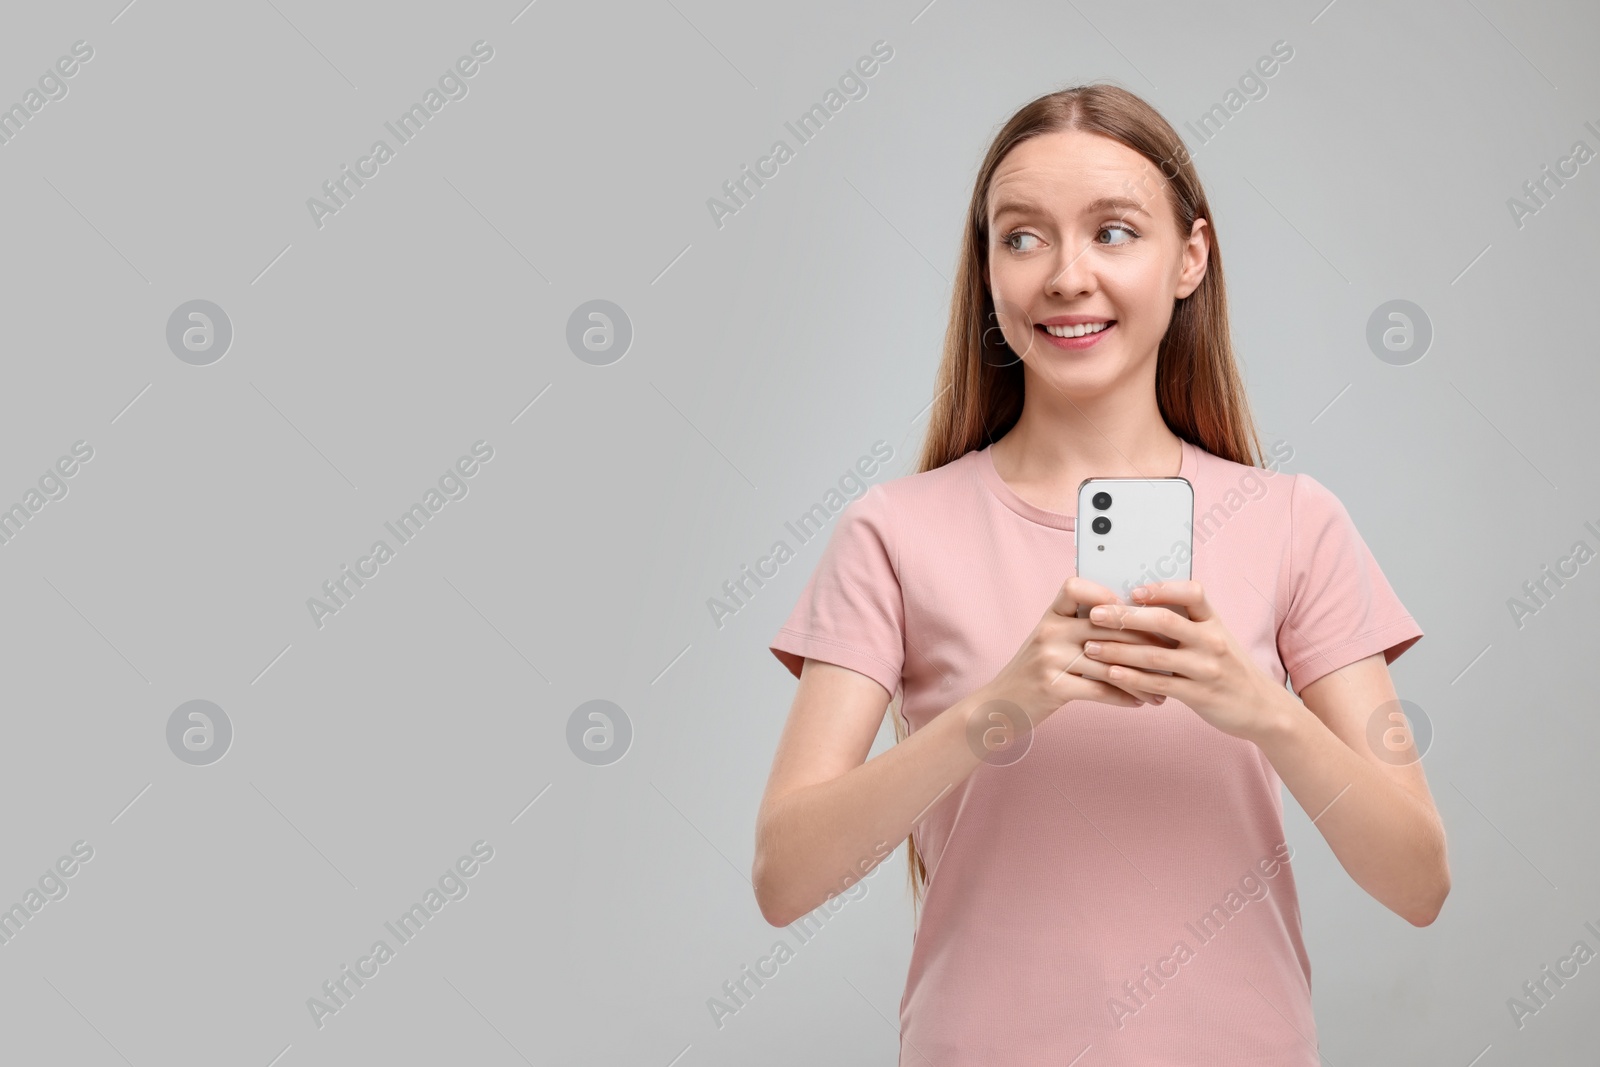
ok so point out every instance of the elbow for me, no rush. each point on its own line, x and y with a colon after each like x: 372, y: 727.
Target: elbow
x: 1430, y: 909
x: 766, y: 874
x: 776, y: 912
x: 775, y: 918
x: 1424, y: 911
x: 773, y: 910
x: 764, y: 901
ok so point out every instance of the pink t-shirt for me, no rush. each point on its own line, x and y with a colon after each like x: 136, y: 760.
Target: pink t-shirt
x: 1125, y: 887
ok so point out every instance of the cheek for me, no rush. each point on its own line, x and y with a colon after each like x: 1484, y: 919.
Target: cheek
x: 1005, y: 284
x: 1009, y: 292
x: 1143, y: 293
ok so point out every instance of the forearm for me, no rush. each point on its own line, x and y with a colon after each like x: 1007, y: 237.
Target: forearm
x: 1386, y: 840
x: 820, y: 839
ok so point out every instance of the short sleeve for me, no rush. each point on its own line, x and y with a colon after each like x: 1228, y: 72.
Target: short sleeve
x: 1341, y: 607
x: 851, y: 611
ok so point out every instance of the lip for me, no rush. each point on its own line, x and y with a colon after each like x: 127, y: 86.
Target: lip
x: 1075, y: 343
x: 1074, y: 320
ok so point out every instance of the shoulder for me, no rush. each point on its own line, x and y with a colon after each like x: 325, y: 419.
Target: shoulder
x: 1224, y: 488
x: 891, y: 513
x: 1314, y: 504
x: 924, y: 494
x: 1296, y: 501
x: 1221, y: 474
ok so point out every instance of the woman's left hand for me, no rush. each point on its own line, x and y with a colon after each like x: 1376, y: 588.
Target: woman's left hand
x: 1210, y: 672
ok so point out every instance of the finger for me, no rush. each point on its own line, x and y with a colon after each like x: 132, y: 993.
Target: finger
x: 1098, y: 632
x: 1153, y: 619
x: 1081, y: 666
x: 1129, y: 682
x: 1142, y: 698
x: 1075, y: 591
x: 1141, y: 657
x: 1148, y: 686
x: 1106, y: 693
x: 1084, y: 591
x: 1187, y: 594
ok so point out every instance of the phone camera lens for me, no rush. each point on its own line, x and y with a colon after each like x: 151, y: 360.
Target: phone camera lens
x: 1101, y: 524
x: 1102, y: 501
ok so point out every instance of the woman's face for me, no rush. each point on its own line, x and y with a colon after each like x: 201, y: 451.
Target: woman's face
x: 1081, y: 228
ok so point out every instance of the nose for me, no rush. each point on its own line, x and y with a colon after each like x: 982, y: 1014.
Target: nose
x: 1074, y: 272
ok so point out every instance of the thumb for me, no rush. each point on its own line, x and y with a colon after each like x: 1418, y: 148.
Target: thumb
x: 1078, y: 592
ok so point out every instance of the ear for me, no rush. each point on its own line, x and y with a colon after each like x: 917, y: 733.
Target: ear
x: 1196, y: 254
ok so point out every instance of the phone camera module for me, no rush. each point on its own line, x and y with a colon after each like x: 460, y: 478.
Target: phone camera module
x: 1102, y: 501
x: 1101, y: 524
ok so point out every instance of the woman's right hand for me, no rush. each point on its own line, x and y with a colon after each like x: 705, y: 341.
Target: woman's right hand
x: 1041, y: 676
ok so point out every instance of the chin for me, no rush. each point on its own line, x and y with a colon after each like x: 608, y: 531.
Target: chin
x: 1086, y: 382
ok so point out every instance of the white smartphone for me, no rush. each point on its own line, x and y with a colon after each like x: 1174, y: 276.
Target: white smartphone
x: 1130, y: 531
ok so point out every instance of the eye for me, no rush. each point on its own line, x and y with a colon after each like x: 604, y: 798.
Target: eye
x: 1007, y: 239
x: 1125, y: 228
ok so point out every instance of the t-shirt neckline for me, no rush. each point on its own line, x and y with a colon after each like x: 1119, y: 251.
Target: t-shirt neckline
x: 1033, y: 513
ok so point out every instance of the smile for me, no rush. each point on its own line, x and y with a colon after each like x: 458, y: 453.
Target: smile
x: 1077, y: 337
x: 1078, y: 331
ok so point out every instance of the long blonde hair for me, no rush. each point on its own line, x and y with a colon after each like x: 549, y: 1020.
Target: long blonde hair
x: 979, y: 389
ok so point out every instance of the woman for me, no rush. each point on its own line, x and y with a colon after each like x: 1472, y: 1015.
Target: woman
x: 1099, y: 847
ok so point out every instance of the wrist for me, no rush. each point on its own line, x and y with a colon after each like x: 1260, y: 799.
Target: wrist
x: 993, y: 693
x: 1280, y: 714
x: 995, y: 722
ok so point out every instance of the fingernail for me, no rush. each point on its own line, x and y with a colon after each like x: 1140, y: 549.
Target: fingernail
x: 1092, y: 647
x: 1100, y: 614
x: 1141, y: 592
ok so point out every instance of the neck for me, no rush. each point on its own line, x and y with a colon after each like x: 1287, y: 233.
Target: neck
x: 1062, y: 442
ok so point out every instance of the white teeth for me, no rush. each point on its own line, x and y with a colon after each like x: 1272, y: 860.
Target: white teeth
x: 1076, y: 331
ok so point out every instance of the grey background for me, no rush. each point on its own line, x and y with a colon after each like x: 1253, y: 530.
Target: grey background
x: 767, y: 356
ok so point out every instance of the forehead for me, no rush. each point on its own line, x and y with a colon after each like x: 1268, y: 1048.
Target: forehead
x: 1071, y: 171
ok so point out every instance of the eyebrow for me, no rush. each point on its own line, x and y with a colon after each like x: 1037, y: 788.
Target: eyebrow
x: 1094, y: 207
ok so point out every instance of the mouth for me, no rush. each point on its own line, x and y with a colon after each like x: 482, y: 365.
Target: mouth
x: 1078, y: 337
